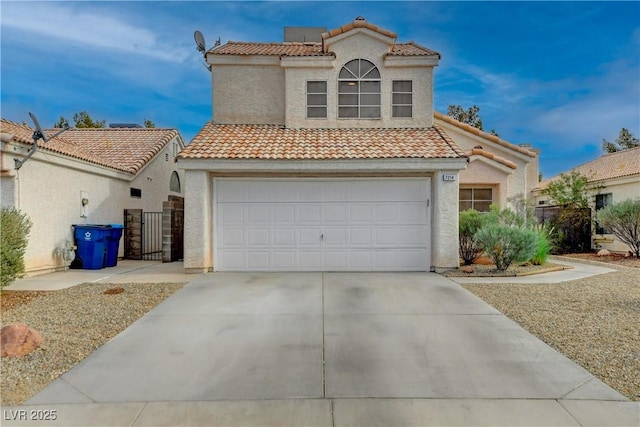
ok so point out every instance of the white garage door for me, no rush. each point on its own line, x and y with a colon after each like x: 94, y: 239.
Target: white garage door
x: 321, y: 225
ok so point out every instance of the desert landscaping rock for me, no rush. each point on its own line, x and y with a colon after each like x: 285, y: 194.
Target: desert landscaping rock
x: 19, y: 340
x: 114, y: 291
x: 75, y: 321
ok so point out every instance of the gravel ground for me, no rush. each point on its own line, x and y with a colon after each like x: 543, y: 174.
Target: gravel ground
x: 594, y: 321
x: 74, y: 322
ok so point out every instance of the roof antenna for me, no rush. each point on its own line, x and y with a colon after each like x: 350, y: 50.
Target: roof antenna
x: 37, y: 134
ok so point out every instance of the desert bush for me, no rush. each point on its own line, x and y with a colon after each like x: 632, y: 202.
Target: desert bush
x: 506, y: 245
x: 623, y: 220
x: 14, y: 233
x: 470, y: 222
x: 543, y: 249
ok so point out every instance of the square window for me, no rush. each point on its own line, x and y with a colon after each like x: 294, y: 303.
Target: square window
x: 479, y: 199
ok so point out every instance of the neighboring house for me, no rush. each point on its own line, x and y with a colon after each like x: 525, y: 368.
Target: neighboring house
x: 613, y: 178
x: 497, y: 171
x: 323, y: 155
x: 85, y: 176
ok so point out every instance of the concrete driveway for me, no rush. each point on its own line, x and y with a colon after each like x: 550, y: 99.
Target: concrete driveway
x: 331, y: 349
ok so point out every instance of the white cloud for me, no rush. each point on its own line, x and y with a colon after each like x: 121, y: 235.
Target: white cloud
x: 79, y: 25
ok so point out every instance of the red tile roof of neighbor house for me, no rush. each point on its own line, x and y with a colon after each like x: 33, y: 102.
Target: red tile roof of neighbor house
x: 218, y: 141
x: 483, y: 134
x: 123, y: 149
x: 609, y: 166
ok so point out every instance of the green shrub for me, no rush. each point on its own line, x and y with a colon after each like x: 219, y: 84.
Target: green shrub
x: 623, y: 220
x: 543, y: 249
x: 470, y: 222
x: 506, y: 245
x: 14, y: 232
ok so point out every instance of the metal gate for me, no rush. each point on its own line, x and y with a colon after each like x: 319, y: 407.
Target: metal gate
x: 152, y: 236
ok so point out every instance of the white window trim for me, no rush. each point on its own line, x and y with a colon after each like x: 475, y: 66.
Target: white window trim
x: 401, y: 105
x: 359, y: 93
x: 325, y: 93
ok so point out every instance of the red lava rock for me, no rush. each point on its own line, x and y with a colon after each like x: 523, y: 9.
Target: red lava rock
x: 467, y: 269
x: 113, y: 291
x: 19, y: 339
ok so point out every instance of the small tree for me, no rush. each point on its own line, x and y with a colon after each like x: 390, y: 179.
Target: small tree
x: 470, y: 116
x: 149, y: 124
x: 570, y: 190
x: 470, y: 222
x: 623, y: 220
x: 14, y: 232
x: 624, y: 141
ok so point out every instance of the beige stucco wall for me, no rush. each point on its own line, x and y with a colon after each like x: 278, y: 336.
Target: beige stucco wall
x: 481, y: 170
x: 49, y: 189
x: 444, y: 227
x: 248, y: 93
x: 198, y: 222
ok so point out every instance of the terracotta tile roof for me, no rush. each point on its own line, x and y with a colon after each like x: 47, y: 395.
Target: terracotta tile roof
x: 411, y: 49
x: 358, y: 23
x: 270, y: 49
x: 215, y: 141
x: 485, y: 135
x: 307, y: 49
x: 489, y: 155
x: 123, y: 149
x: 609, y: 166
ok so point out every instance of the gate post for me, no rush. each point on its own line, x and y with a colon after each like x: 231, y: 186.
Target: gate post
x: 133, y: 233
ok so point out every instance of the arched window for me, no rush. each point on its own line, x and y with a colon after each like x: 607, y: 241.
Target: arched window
x: 359, y: 90
x: 174, y: 184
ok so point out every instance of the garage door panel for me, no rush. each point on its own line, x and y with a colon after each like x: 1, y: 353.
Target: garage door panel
x: 360, y: 237
x: 284, y: 237
x: 309, y: 236
x: 315, y: 225
x: 258, y: 213
x: 361, y: 213
x: 309, y: 213
x: 258, y: 260
x: 232, y: 213
x: 335, y: 260
x: 334, y: 213
x: 258, y: 237
x: 284, y: 260
x: 232, y: 236
x: 386, y: 213
x: 284, y: 213
x: 335, y: 237
x: 310, y: 260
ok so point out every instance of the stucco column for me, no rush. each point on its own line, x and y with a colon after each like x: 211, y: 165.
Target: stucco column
x: 444, y: 229
x: 197, y: 222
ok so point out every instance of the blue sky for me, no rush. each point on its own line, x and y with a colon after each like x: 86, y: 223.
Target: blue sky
x: 558, y: 75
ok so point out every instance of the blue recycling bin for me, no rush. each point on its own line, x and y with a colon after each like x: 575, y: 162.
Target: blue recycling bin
x: 113, y: 244
x: 91, y: 241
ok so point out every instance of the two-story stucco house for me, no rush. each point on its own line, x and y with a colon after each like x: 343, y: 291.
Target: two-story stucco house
x: 85, y: 176
x: 324, y: 155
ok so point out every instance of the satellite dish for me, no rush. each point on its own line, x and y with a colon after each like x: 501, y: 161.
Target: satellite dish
x: 37, y: 134
x: 199, y: 38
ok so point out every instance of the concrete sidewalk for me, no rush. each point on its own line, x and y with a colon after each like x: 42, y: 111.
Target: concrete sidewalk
x: 370, y: 349
x: 126, y: 271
